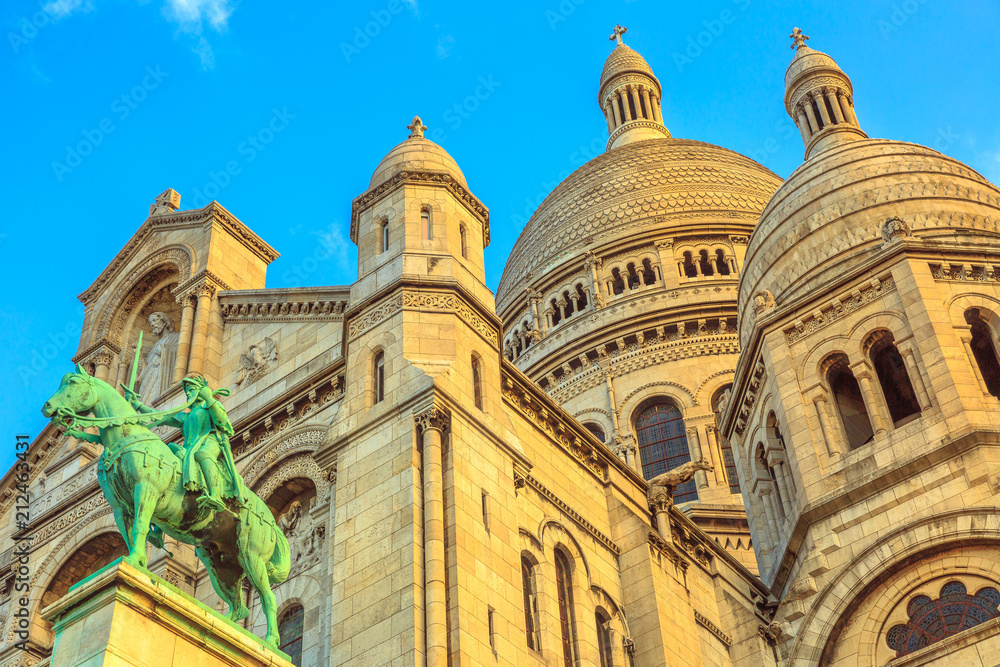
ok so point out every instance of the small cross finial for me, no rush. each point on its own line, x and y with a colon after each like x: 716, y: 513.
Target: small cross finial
x: 616, y: 34
x: 800, y: 39
x: 416, y: 128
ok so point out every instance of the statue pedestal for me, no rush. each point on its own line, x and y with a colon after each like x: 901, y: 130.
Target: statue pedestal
x: 122, y: 615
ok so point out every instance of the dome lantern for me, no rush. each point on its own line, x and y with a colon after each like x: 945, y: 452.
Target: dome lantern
x: 819, y: 98
x: 629, y: 96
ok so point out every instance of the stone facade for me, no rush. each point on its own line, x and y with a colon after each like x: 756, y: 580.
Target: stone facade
x: 464, y: 481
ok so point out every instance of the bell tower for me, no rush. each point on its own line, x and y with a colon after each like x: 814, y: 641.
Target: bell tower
x: 630, y: 96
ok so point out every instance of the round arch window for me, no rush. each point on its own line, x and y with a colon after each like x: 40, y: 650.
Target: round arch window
x: 663, y: 445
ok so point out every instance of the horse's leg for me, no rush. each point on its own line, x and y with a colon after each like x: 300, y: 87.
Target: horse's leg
x: 256, y: 568
x: 145, y: 497
x: 228, y: 585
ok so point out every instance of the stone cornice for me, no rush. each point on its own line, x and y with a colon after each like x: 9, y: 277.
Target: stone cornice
x: 200, y: 281
x: 102, y: 345
x: 210, y: 213
x: 588, y: 527
x: 423, y: 178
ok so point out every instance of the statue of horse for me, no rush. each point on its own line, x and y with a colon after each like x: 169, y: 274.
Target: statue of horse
x: 141, y: 479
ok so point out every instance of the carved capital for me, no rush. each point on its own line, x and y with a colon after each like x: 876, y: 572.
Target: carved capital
x: 433, y: 418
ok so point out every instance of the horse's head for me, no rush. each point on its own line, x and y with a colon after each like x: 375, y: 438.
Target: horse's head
x: 77, y: 395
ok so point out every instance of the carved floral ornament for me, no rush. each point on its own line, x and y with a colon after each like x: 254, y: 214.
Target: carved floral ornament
x: 433, y: 418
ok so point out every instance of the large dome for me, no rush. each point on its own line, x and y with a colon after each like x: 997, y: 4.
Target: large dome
x: 632, y: 190
x: 830, y: 212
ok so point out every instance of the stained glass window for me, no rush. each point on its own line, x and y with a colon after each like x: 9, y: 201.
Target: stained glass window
x: 933, y: 620
x: 290, y: 629
x: 663, y: 445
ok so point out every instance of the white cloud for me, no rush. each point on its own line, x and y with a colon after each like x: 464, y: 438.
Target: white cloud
x: 190, y: 15
x: 443, y: 48
x: 59, y: 9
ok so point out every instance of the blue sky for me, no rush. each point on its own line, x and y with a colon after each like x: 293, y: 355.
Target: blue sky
x: 109, y: 102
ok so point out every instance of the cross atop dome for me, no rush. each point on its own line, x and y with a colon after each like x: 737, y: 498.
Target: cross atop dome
x: 800, y: 39
x: 416, y: 128
x: 616, y: 34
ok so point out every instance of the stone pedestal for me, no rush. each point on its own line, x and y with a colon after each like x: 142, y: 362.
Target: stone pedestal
x: 122, y: 615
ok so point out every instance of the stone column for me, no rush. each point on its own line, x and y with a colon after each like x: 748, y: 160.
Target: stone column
x: 199, y: 339
x: 634, y: 98
x: 660, y: 507
x: 432, y: 424
x: 700, y: 478
x: 645, y: 98
x: 872, y: 404
x: 817, y: 96
x: 614, y: 107
x: 102, y: 364
x: 609, y: 117
x: 548, y: 319
x: 831, y: 436
x: 562, y: 308
x: 803, y: 124
x: 767, y: 501
x: 811, y: 115
x: 782, y: 486
x: 716, y: 448
x: 915, y: 378
x: 184, y: 340
x: 734, y: 268
x: 592, y: 263
x: 657, y: 111
x: 665, y: 251
x: 967, y: 343
x: 831, y: 95
x: 847, y: 106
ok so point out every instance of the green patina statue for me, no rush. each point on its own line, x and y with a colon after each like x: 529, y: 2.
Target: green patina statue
x: 191, y: 492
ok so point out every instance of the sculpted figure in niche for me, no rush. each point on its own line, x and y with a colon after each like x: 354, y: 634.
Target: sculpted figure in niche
x: 158, y: 372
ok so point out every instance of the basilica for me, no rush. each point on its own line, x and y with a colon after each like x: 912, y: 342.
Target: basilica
x: 710, y: 416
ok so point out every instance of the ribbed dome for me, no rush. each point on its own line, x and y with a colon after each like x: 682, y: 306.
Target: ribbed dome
x: 807, y: 59
x: 624, y: 59
x: 829, y: 213
x: 416, y: 154
x: 630, y: 190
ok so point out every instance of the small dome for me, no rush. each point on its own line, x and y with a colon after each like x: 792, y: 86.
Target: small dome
x: 806, y: 60
x: 624, y: 59
x: 829, y: 213
x: 416, y: 154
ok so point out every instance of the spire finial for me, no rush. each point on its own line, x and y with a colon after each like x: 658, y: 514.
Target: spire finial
x: 800, y: 39
x: 616, y: 34
x: 416, y: 128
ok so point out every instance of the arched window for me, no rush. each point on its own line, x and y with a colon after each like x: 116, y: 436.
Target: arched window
x: 596, y: 430
x: 426, y: 225
x: 648, y: 275
x: 385, y: 236
x: 477, y: 381
x: 706, y: 264
x: 690, y: 270
x: 721, y: 266
x: 849, y: 402
x: 765, y: 466
x: 931, y: 621
x: 663, y: 445
x: 465, y: 245
x: 379, y: 377
x: 530, y: 590
x: 569, y: 303
x: 633, y: 277
x: 617, y: 282
x: 581, y: 297
x: 556, y: 313
x: 984, y: 351
x: 290, y: 629
x: 564, y: 588
x: 85, y: 561
x: 727, y: 449
x: 603, y: 621
x: 892, y: 376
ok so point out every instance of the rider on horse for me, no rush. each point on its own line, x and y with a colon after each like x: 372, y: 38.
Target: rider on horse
x: 206, y: 430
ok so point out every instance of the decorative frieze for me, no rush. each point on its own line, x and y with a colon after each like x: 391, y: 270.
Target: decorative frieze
x: 839, y: 307
x: 325, y: 310
x: 422, y: 301
x: 713, y: 628
x: 750, y: 398
x: 980, y: 273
